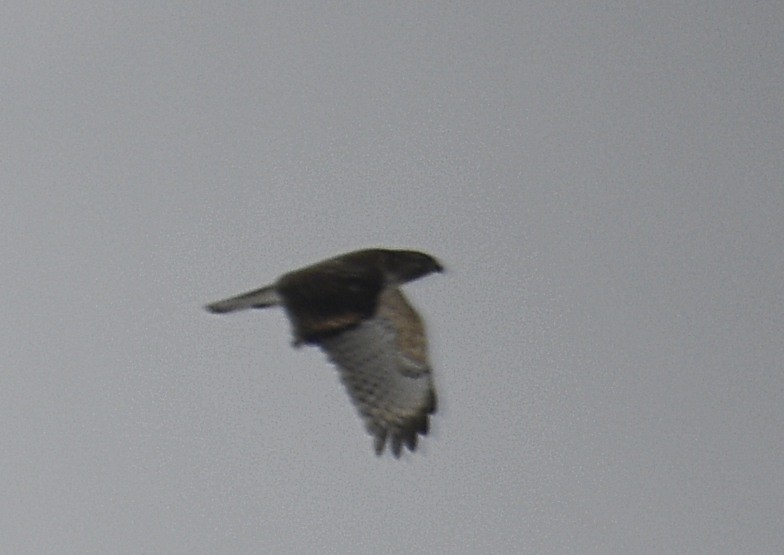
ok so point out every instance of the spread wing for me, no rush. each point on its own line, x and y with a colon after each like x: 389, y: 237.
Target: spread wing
x: 383, y: 364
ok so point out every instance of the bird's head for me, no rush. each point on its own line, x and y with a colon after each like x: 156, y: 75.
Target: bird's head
x: 404, y: 266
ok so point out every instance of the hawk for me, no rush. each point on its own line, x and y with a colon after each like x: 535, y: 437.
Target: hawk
x: 352, y: 307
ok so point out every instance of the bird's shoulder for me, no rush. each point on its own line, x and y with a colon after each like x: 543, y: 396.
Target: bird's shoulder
x: 331, y: 296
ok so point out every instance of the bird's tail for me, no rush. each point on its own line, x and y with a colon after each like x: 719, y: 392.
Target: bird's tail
x: 258, y: 298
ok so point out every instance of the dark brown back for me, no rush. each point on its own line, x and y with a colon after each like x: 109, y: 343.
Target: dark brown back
x: 333, y: 295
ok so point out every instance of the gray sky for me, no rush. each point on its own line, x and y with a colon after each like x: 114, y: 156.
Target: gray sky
x: 603, y: 183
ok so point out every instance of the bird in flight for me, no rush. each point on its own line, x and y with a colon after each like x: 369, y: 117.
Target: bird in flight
x: 352, y: 307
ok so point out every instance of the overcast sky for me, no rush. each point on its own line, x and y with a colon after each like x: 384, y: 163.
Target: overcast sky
x: 605, y: 185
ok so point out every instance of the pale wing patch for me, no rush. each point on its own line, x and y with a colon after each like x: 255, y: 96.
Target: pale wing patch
x: 383, y: 365
x: 410, y: 336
